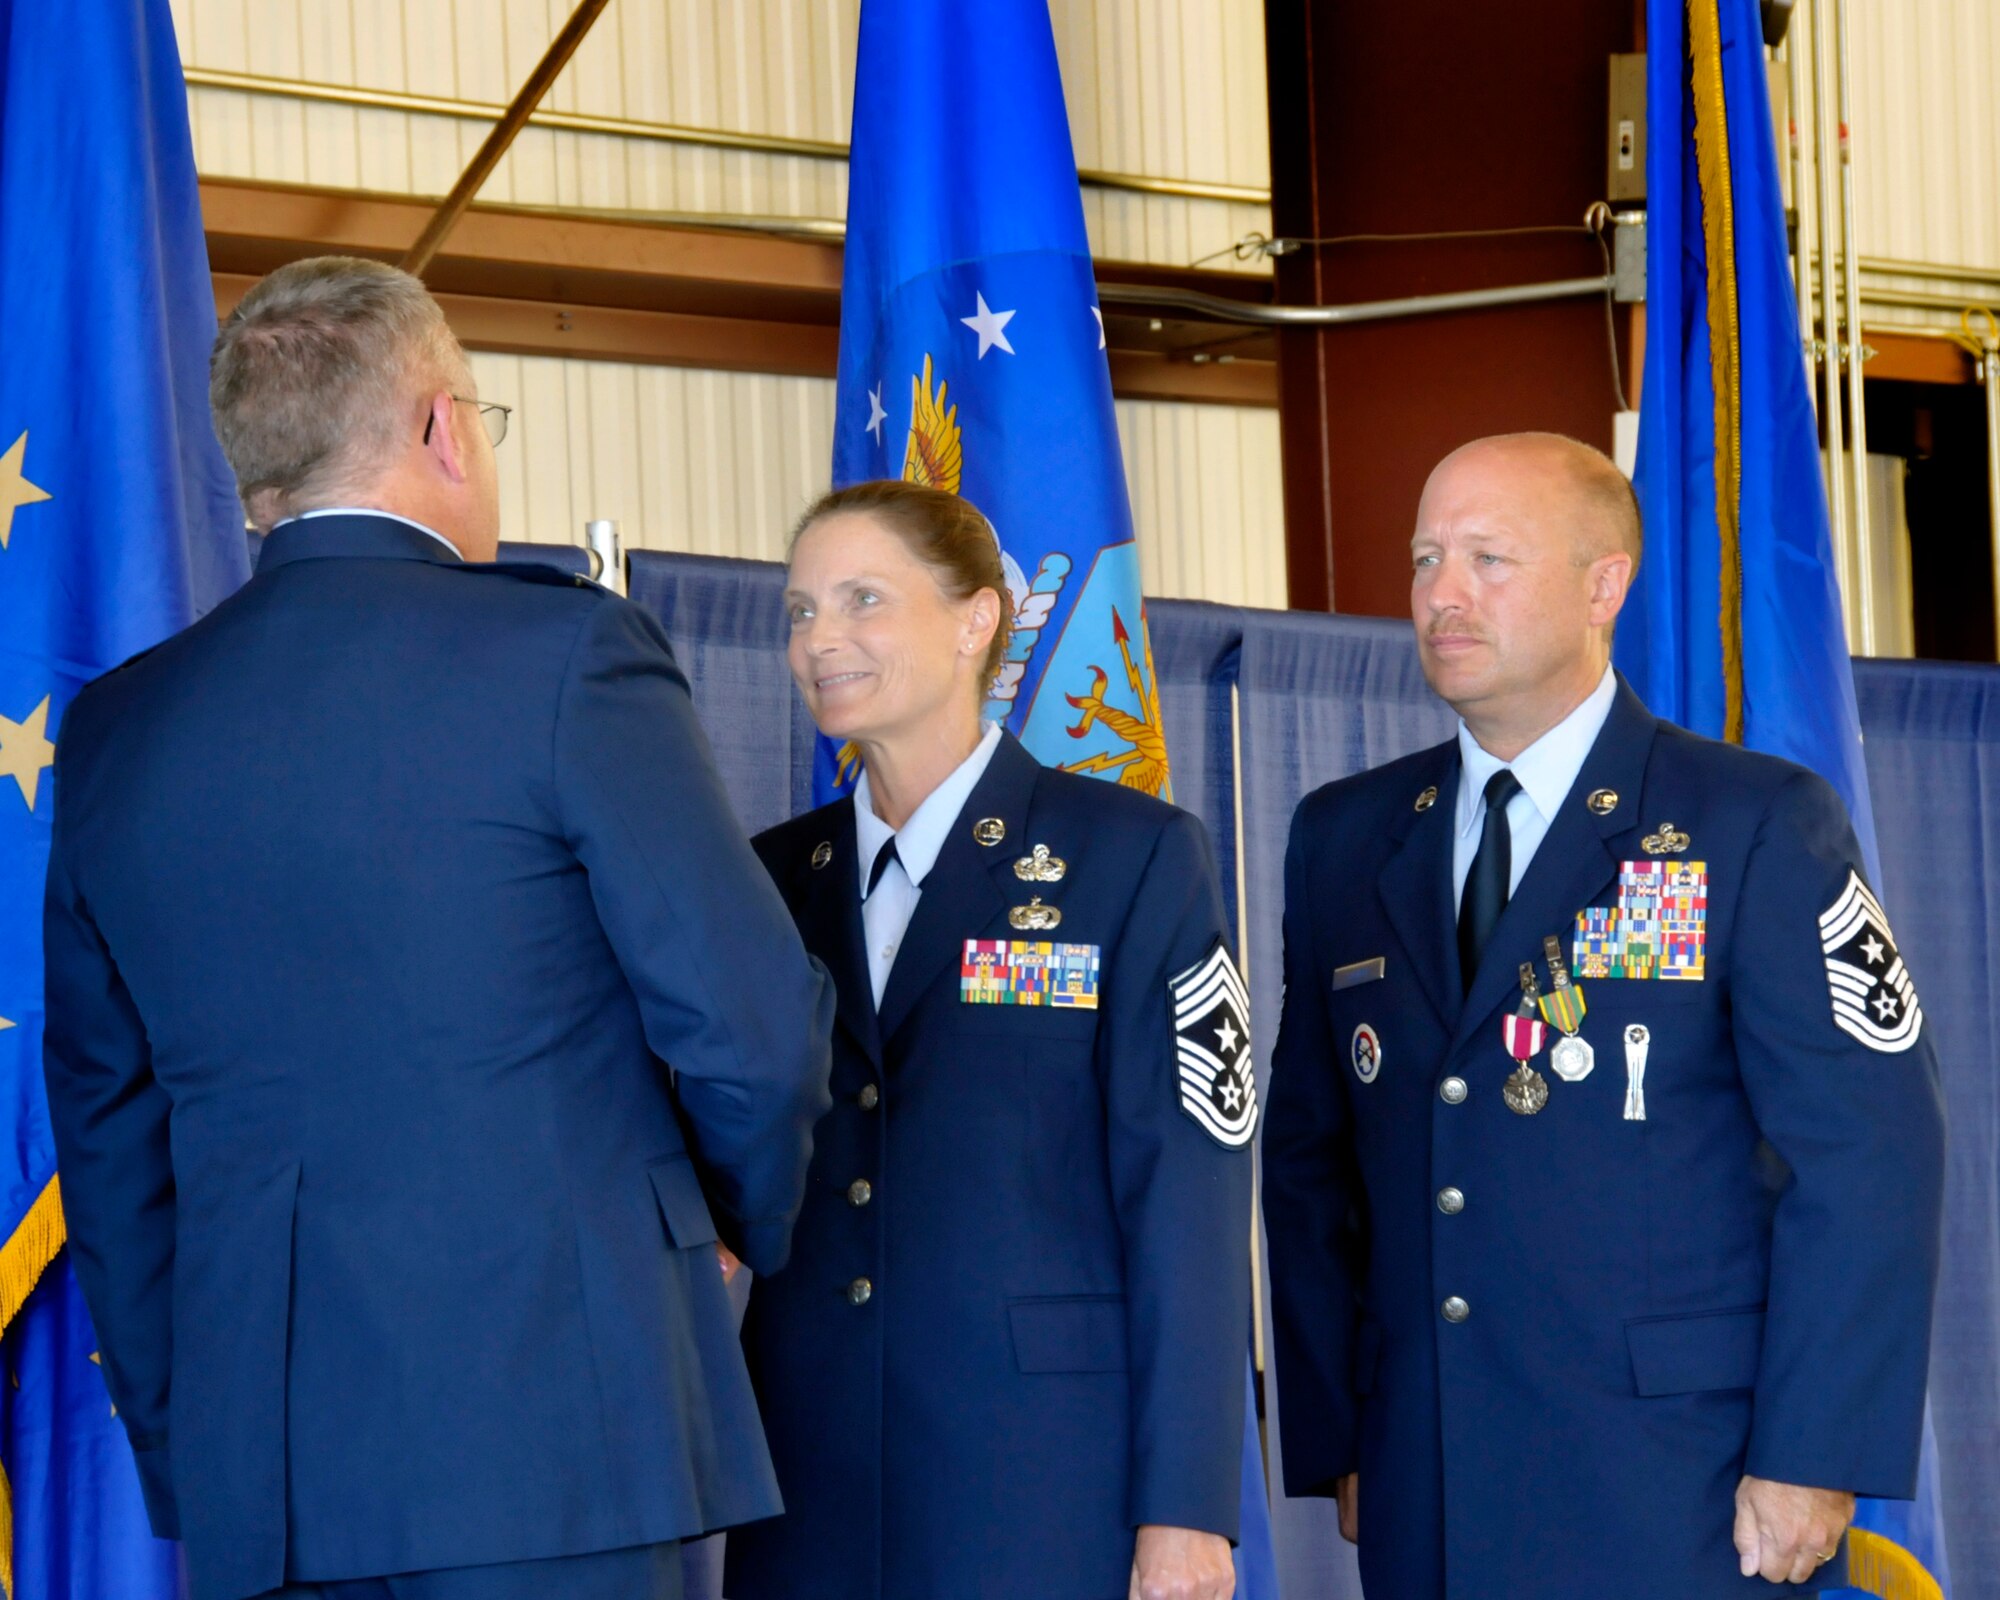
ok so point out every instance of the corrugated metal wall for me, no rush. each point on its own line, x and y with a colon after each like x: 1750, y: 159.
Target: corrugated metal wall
x: 1164, y: 89
x: 721, y: 463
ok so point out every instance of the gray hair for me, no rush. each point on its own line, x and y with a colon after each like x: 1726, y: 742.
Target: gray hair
x: 314, y: 380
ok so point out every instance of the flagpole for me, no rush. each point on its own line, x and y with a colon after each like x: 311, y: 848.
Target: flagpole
x: 1851, y: 280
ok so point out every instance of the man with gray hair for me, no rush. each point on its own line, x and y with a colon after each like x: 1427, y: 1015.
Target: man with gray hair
x: 419, y: 1021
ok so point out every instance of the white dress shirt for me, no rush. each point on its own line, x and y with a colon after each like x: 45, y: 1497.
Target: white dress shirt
x: 1546, y: 771
x: 371, y: 511
x: 885, y: 914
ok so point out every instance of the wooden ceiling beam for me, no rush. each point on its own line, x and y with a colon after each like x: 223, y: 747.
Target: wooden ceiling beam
x: 536, y: 282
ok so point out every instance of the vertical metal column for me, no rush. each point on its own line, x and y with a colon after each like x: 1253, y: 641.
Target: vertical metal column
x: 1802, y: 278
x: 1829, y: 255
x: 1857, y: 413
x: 1989, y: 369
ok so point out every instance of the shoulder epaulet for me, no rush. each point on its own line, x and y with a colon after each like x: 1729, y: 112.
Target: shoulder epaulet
x: 534, y: 572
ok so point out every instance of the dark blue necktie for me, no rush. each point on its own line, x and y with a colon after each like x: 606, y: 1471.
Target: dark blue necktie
x: 883, y: 857
x: 1485, y: 895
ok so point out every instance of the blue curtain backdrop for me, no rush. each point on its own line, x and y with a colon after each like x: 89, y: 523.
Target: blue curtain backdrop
x: 1320, y: 697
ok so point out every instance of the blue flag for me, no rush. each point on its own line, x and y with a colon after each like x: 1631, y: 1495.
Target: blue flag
x: 118, y: 525
x: 1734, y: 624
x: 972, y: 359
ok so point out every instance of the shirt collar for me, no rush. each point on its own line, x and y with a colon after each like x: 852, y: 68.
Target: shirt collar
x: 920, y: 839
x: 372, y: 511
x: 1547, y: 769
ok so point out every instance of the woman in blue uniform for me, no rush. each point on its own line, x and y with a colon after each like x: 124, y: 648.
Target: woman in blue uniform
x: 1007, y: 1357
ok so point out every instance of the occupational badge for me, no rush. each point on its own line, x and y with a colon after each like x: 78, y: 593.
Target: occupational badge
x: 1874, y: 997
x: 1040, y: 867
x: 1367, y: 1052
x: 1602, y: 802
x: 1562, y: 1007
x: 822, y: 854
x: 1218, y: 1081
x: 1035, y: 917
x: 1016, y: 972
x: 1666, y: 842
x: 989, y: 831
x: 1638, y: 1039
x: 1427, y: 799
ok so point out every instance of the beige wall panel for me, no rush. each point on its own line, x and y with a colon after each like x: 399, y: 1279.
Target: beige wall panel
x: 722, y: 463
x: 1157, y: 88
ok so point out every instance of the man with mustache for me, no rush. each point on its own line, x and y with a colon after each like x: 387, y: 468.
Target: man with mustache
x: 1603, y: 1164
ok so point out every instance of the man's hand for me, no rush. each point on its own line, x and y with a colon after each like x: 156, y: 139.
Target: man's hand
x: 1347, y: 1495
x: 1181, y: 1564
x: 1784, y: 1532
x: 730, y: 1265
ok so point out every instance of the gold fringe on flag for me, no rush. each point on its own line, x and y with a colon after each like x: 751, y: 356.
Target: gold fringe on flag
x: 23, y: 1259
x: 29, y: 1250
x: 1883, y: 1568
x: 1725, y: 355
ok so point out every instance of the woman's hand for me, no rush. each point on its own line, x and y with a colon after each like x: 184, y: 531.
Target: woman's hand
x: 1181, y: 1564
x: 730, y: 1265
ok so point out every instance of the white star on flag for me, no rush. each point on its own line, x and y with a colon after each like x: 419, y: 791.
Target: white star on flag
x: 876, y: 415
x: 1095, y: 312
x: 990, y: 325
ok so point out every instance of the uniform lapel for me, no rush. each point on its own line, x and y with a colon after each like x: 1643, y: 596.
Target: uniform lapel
x: 1574, y: 862
x: 830, y: 923
x: 1415, y: 885
x: 962, y: 894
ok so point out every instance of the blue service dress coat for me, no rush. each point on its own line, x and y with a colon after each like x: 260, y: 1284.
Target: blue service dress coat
x: 1013, y: 1328
x: 1552, y: 1343
x: 377, y: 900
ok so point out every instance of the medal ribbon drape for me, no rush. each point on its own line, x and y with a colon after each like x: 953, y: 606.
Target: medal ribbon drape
x: 1734, y: 626
x: 118, y: 524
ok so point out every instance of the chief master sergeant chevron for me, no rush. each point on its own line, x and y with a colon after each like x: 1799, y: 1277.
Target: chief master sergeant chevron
x: 418, y: 1017
x: 1604, y: 1153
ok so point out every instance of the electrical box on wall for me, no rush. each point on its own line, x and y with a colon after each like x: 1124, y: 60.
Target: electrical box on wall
x: 1625, y: 181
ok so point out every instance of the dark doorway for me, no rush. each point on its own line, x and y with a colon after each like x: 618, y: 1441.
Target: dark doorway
x: 1940, y: 429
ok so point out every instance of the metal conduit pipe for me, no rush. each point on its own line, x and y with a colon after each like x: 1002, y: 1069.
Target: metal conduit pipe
x: 1857, y: 410
x: 1221, y: 309
x: 1802, y: 280
x: 1829, y: 259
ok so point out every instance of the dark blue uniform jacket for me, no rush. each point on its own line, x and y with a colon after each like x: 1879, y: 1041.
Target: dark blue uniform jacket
x: 1025, y: 1336
x: 1648, y: 1307
x: 378, y: 899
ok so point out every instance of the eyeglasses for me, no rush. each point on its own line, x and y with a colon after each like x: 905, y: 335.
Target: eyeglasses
x: 491, y: 413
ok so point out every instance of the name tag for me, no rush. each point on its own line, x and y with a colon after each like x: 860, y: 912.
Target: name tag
x: 1358, y: 972
x: 1022, y: 972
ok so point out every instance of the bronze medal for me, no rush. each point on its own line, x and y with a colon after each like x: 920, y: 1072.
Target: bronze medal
x: 1526, y: 1091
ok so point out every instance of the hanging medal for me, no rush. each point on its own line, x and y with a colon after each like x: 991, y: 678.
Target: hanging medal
x: 1526, y: 1090
x: 1563, y: 1008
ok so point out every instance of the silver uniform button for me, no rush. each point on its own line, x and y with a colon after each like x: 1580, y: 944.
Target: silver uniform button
x: 1455, y: 1309
x: 1450, y: 1202
x: 869, y: 1098
x: 1453, y: 1091
x: 860, y: 1289
x: 860, y: 1192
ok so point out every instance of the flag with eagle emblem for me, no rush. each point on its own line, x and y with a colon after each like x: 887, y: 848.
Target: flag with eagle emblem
x: 972, y: 359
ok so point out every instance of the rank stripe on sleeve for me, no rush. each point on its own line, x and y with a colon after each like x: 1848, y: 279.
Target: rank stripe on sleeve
x: 1874, y: 997
x: 1211, y: 1012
